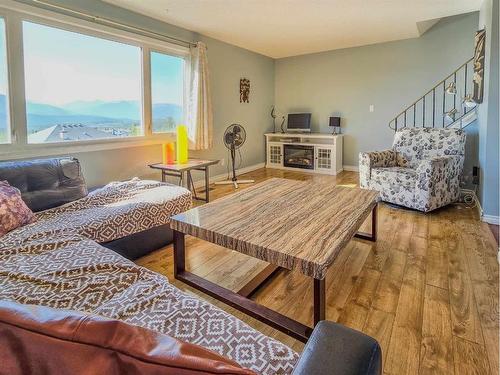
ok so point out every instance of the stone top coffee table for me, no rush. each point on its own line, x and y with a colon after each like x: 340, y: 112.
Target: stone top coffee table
x: 297, y: 225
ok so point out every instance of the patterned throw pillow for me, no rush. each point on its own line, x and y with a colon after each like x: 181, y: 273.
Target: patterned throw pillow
x: 13, y: 211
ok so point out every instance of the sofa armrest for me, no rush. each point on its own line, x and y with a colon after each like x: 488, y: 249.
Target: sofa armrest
x: 334, y: 349
x: 439, y: 168
x: 369, y: 160
x: 95, y: 188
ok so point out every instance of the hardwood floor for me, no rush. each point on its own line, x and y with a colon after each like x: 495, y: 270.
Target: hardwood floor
x: 427, y: 290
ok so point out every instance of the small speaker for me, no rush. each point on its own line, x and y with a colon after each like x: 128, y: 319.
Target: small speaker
x: 335, y: 122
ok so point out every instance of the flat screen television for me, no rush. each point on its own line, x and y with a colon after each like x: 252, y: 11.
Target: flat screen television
x: 299, y: 122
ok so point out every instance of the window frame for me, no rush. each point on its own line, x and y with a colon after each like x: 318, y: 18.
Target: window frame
x: 14, y: 14
x: 8, y: 111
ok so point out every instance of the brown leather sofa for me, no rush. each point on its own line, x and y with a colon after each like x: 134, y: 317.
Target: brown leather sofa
x: 37, y: 339
x: 42, y: 340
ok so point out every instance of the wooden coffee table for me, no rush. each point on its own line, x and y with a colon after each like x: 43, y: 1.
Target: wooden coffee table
x: 297, y: 225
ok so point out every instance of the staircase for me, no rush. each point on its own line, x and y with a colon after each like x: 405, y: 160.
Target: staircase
x: 448, y: 104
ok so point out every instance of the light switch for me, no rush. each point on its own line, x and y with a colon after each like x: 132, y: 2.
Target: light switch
x: 372, y: 107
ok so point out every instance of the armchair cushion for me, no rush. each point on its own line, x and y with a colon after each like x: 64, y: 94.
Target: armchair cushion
x: 395, y: 176
x: 415, y: 144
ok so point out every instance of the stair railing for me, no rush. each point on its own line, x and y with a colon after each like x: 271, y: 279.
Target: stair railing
x: 437, y: 104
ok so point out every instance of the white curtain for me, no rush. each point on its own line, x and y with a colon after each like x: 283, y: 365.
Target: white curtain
x: 200, y: 117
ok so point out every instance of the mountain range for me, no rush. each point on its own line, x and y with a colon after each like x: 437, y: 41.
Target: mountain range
x: 123, y: 113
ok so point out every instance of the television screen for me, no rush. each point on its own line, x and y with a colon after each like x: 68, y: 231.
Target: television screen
x: 299, y: 121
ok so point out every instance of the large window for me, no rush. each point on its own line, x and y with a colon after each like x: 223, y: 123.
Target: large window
x: 167, y: 91
x: 79, y: 87
x: 4, y: 109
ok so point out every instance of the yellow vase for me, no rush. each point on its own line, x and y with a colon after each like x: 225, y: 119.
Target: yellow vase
x: 182, y: 144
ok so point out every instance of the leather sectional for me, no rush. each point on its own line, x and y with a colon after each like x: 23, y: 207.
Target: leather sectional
x: 64, y: 261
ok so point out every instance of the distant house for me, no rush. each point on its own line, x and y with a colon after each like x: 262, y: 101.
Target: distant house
x: 72, y: 132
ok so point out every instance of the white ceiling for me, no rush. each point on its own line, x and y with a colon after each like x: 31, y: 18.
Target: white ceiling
x: 281, y: 28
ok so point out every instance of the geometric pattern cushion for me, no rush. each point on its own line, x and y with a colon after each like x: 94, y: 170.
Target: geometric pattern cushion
x: 115, y: 211
x: 13, y: 211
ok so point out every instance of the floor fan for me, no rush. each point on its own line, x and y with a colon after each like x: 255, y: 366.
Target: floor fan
x: 234, y: 137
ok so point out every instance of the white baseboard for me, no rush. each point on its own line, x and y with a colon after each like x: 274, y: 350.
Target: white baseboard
x: 223, y: 176
x: 490, y: 219
x: 351, y: 168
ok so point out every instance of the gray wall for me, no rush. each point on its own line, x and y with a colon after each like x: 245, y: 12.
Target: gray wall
x: 488, y: 113
x: 227, y: 65
x: 388, y: 75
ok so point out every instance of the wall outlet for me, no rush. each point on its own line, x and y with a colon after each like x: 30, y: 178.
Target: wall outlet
x: 475, y: 175
x: 222, y: 162
x: 372, y: 108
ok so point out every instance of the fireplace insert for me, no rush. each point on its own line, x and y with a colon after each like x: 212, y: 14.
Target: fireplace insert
x: 298, y: 156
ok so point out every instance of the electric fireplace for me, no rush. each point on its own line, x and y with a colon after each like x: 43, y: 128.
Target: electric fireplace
x: 298, y: 156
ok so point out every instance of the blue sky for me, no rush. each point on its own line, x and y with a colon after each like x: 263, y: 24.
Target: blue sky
x: 63, y: 67
x: 167, y: 78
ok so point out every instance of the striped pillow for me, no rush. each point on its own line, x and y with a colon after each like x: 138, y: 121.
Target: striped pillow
x: 13, y: 211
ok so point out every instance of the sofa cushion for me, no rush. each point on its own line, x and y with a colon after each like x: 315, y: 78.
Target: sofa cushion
x: 45, y: 183
x: 13, y: 211
x: 37, y: 339
x: 117, y: 210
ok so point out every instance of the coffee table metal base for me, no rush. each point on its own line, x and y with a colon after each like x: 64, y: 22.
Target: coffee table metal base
x: 240, y: 301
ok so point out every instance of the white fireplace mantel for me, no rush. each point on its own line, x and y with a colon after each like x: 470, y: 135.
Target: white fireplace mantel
x: 325, y: 152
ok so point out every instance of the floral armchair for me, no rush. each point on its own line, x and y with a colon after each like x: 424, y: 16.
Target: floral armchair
x: 421, y: 171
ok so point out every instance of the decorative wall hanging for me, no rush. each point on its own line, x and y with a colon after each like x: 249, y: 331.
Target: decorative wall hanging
x: 244, y: 90
x: 478, y: 77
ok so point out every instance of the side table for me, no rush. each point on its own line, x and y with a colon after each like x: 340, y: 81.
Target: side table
x: 178, y: 170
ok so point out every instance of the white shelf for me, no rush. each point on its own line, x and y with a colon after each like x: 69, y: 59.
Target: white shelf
x: 327, y: 151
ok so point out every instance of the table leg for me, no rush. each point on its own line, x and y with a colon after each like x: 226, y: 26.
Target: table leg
x: 190, y: 184
x: 163, y: 179
x: 374, y: 223
x: 181, y: 179
x: 179, y: 253
x: 319, y: 300
x: 207, y: 185
x: 373, y: 235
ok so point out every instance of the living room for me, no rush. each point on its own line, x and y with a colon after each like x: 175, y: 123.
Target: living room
x: 180, y: 171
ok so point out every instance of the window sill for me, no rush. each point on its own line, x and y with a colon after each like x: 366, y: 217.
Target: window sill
x: 13, y: 151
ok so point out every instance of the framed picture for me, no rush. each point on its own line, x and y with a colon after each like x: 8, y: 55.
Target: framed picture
x: 478, y: 77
